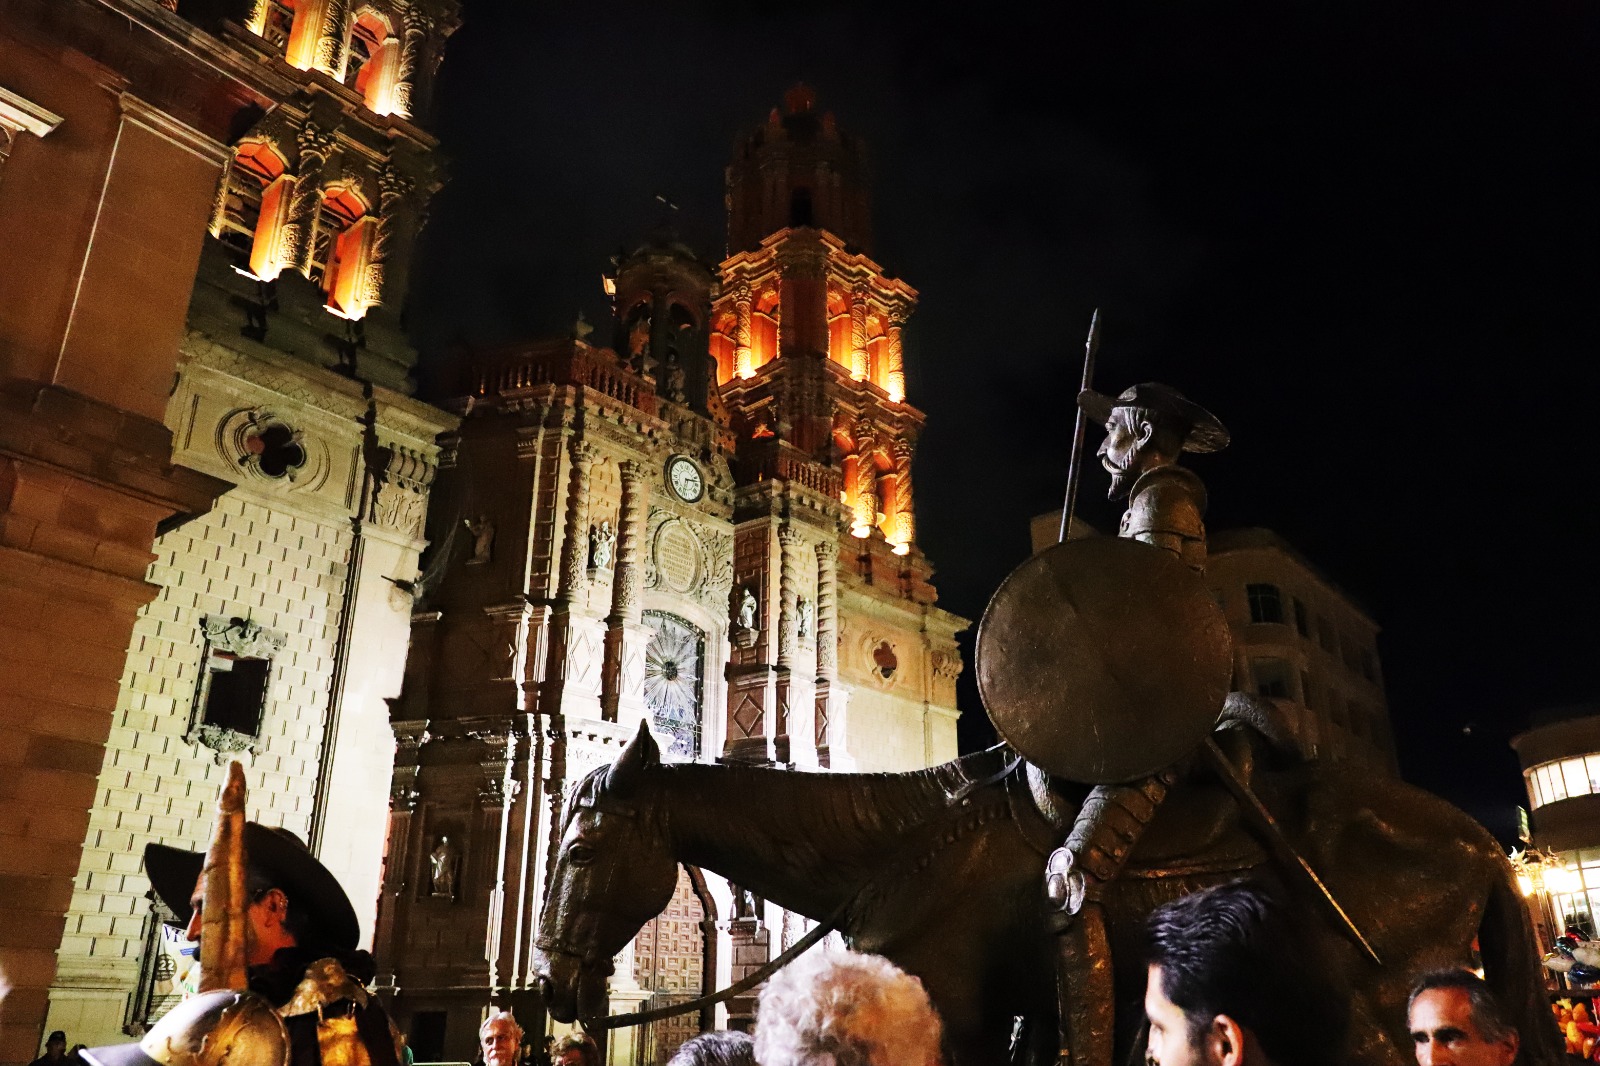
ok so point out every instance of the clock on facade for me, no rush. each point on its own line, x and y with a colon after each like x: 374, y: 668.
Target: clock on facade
x: 685, y: 479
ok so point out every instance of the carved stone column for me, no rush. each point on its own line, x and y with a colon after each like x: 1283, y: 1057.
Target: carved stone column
x: 743, y: 359
x: 896, y: 377
x: 903, y: 530
x: 331, y: 38
x: 414, y: 37
x: 394, y: 190
x: 859, y: 362
x: 828, y: 705
x: 317, y: 146
x: 790, y: 542
x: 574, y: 542
x: 622, y: 697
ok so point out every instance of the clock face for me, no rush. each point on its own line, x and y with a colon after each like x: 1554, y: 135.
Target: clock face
x: 685, y: 478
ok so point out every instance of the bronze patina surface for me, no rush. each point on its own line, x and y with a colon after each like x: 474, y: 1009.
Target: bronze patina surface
x: 1103, y: 660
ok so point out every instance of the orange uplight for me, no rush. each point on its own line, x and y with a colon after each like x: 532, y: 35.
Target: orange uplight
x: 861, y: 531
x: 902, y: 549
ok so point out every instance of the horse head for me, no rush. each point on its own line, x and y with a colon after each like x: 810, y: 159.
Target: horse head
x: 615, y: 872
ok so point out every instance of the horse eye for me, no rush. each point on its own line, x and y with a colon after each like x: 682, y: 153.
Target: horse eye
x: 580, y: 854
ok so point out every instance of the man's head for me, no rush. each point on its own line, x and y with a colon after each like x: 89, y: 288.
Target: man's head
x: 717, y: 1049
x: 1148, y: 426
x: 56, y: 1046
x: 1454, y: 1021
x: 837, y: 1008
x: 292, y: 899
x: 500, y: 1039
x: 1232, y: 982
x: 576, y: 1049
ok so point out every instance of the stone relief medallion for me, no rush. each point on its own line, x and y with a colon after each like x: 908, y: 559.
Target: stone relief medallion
x: 677, y: 556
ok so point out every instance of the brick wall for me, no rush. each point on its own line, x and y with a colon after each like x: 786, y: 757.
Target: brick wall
x: 284, y: 572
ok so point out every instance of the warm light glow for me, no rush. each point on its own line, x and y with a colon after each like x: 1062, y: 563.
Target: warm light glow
x: 902, y: 549
x: 743, y: 363
x: 861, y: 531
x: 897, y: 387
x: 1525, y: 883
x: 858, y: 365
x: 1562, y: 880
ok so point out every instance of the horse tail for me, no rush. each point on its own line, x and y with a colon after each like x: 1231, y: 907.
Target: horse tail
x: 1513, y: 973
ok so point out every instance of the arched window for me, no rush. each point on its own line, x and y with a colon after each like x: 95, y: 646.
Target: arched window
x: 372, y: 59
x: 254, y: 203
x: 764, y: 329
x: 674, y: 663
x: 289, y: 26
x: 838, y: 327
x: 722, y: 345
x: 276, y: 22
x: 341, y: 250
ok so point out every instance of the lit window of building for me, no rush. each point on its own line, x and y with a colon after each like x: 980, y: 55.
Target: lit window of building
x: 1563, y: 779
x: 254, y: 200
x: 1266, y: 604
x: 277, y: 23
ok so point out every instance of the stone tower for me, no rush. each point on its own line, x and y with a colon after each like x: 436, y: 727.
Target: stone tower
x: 809, y: 352
x: 278, y: 626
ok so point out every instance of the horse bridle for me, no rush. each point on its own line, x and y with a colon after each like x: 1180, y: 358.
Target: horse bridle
x: 589, y: 957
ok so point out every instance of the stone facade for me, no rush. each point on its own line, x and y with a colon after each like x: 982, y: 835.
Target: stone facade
x: 280, y: 620
x: 706, y: 526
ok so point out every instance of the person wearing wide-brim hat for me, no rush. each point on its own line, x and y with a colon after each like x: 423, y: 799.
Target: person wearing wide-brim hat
x: 1147, y: 427
x: 298, y: 912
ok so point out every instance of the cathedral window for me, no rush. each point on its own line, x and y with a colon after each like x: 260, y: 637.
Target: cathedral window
x: 340, y: 252
x: 277, y: 23
x: 674, y: 663
x: 231, y: 696
x: 723, y: 346
x: 764, y: 329
x: 372, y: 60
x: 289, y: 27
x: 838, y: 327
x: 252, y: 208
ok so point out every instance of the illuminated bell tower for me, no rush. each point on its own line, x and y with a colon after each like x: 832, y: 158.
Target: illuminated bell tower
x: 807, y: 339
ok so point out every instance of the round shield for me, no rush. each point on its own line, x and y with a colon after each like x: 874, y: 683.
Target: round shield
x: 1103, y: 660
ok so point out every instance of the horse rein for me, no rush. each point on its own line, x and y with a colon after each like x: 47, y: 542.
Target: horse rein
x: 957, y: 803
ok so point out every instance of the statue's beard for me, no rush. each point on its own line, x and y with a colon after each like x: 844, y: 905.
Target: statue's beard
x: 1121, y: 480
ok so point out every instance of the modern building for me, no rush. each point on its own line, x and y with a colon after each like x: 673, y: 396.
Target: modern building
x: 280, y: 618
x: 705, y: 524
x: 1297, y: 639
x: 1560, y: 759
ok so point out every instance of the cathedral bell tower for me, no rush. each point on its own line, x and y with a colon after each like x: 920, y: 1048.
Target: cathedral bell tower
x: 662, y: 295
x: 806, y: 335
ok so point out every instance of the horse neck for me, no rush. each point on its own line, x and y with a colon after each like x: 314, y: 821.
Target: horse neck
x: 805, y: 841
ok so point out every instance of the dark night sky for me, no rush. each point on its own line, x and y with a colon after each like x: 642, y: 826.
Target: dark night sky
x: 1365, y: 234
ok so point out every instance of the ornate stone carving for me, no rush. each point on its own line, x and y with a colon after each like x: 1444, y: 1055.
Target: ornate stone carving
x: 745, y: 629
x: 630, y: 529
x: 241, y: 637
x: 790, y: 542
x: 827, y: 610
x: 573, y: 554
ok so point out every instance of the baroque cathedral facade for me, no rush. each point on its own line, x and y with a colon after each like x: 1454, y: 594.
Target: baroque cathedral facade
x: 701, y: 519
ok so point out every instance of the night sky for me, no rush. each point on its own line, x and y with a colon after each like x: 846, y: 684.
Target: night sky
x: 1364, y: 234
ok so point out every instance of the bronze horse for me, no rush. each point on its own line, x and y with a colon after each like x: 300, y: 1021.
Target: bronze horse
x: 951, y: 861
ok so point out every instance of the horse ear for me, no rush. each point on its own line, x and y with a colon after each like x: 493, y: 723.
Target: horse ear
x: 640, y: 755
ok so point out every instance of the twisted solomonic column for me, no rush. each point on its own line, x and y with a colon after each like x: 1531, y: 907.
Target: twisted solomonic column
x: 575, y: 541
x: 790, y: 542
x: 630, y: 537
x: 827, y: 610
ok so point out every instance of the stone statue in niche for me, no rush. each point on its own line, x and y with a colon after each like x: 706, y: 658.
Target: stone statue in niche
x: 602, y: 546
x: 673, y: 380
x: 744, y: 621
x: 482, y: 530
x: 444, y: 862
x: 806, y: 613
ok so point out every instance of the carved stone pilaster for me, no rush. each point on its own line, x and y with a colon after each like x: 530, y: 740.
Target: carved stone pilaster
x: 790, y: 542
x: 904, y: 531
x: 630, y: 535
x: 827, y: 610
x: 858, y: 334
x: 574, y: 553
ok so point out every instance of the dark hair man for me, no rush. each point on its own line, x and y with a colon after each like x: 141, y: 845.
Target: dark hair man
x: 1454, y: 1021
x: 1233, y: 982
x: 729, y: 1048
x: 55, y: 1050
x: 576, y: 1049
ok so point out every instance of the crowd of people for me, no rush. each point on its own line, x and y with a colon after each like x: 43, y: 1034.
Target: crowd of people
x: 1232, y: 981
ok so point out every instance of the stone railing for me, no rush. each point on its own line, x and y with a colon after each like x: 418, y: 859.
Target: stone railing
x: 562, y: 363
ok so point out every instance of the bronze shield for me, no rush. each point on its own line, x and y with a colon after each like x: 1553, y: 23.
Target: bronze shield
x: 1103, y: 660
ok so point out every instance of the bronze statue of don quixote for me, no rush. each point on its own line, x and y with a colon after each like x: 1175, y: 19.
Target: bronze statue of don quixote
x: 1015, y: 882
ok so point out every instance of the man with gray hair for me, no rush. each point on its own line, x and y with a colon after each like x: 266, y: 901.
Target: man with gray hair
x: 840, y: 1008
x: 500, y: 1039
x: 1454, y: 1021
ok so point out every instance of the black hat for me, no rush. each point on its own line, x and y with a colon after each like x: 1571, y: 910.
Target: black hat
x: 1203, y: 431
x: 280, y: 855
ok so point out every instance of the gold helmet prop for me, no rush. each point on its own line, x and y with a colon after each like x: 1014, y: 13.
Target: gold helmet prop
x: 222, y: 1028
